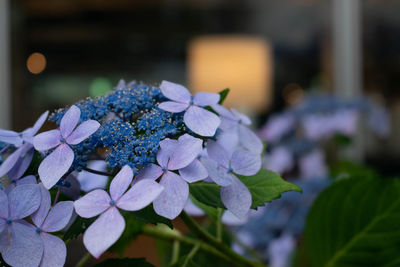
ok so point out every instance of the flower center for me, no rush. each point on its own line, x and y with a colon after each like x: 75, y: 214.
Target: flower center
x: 230, y: 170
x: 112, y: 202
x: 38, y: 230
x: 8, y: 221
x: 163, y: 169
x: 191, y: 100
x: 62, y: 140
x: 198, y: 156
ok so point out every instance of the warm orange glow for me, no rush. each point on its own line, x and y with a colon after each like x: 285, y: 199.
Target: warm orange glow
x: 241, y: 63
x: 36, y: 63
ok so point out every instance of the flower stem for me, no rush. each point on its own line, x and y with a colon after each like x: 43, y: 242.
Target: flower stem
x: 175, y: 252
x: 201, y: 233
x: 84, y: 260
x: 191, y: 254
x: 219, y: 224
x: 57, y: 196
x: 97, y: 172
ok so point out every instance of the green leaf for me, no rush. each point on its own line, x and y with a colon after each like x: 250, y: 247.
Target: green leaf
x: 185, y: 262
x: 132, y: 230
x: 148, y: 215
x: 78, y: 227
x: 266, y: 186
x: 223, y: 94
x: 355, y: 222
x: 125, y: 262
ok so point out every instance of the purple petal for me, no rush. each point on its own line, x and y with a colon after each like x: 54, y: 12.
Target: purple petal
x: 230, y: 219
x: 73, y: 191
x: 40, y: 215
x: 10, y: 162
x: 217, y: 153
x: 250, y: 140
x: 201, y: 121
x: 175, y: 92
x: 191, y: 209
x: 224, y: 112
x: 243, y: 119
x: 26, y: 246
x: 24, y: 200
x: 10, y: 137
x: 229, y: 140
x: 83, y: 131
x: 4, y: 239
x: 55, y: 165
x: 2, y: 226
x: 92, y: 204
x: 140, y: 195
x: 22, y: 164
x: 236, y: 198
x: 69, y: 121
x: 121, y: 182
x: 104, y: 232
x: 186, y: 151
x: 172, y: 200
x: 90, y: 181
x: 246, y: 163
x: 3, y: 205
x: 172, y: 106
x: 203, y: 99
x: 39, y: 123
x: 58, y: 217
x: 54, y: 251
x: 167, y: 148
x: 194, y: 172
x: 47, y: 140
x: 217, y: 173
x: 151, y: 172
x: 30, y: 179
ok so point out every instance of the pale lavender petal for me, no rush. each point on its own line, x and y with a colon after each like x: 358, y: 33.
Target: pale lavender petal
x: 191, y: 209
x: 39, y: 123
x: 26, y: 246
x: 54, y: 251
x: 2, y: 224
x: 236, y: 198
x: 228, y: 218
x: 243, y: 119
x: 3, y: 205
x: 175, y: 92
x: 140, y: 195
x: 73, y: 190
x: 58, y: 217
x: 229, y: 140
x: 10, y: 137
x: 92, y: 204
x: 174, y: 107
x: 70, y: 120
x: 246, y: 163
x: 90, y: 181
x: 167, y: 148
x: 47, y: 140
x: 40, y: 215
x: 172, y: 200
x: 4, y: 240
x: 104, y: 232
x: 55, y: 165
x: 250, y: 140
x: 152, y: 172
x: 217, y: 153
x: 201, y: 121
x: 30, y: 179
x: 10, y: 162
x: 24, y: 200
x: 203, y: 99
x: 217, y: 173
x: 22, y: 164
x: 186, y: 151
x: 194, y: 172
x: 83, y: 131
x: 121, y: 182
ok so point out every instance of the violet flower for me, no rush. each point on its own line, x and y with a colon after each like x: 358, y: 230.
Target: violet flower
x: 89, y: 181
x: 55, y: 165
x: 30, y: 179
x: 198, y: 119
x: 107, y: 229
x: 19, y: 244
x: 18, y: 162
x: 175, y: 155
x: 54, y: 249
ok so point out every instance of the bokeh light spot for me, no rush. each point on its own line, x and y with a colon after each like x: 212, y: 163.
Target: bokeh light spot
x: 36, y: 63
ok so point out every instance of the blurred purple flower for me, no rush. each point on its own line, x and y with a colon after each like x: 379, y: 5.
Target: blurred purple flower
x: 191, y: 209
x: 313, y: 165
x: 198, y: 119
x: 279, y: 160
x: 18, y: 162
x: 276, y: 127
x: 107, y: 229
x: 54, y: 220
x: 55, y: 165
x: 280, y: 251
x: 175, y: 155
x: 20, y: 245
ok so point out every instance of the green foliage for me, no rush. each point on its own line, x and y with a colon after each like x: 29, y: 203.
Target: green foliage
x: 126, y: 262
x: 223, y: 94
x: 211, y: 212
x: 148, y: 215
x: 346, y: 169
x: 78, y: 227
x: 184, y: 261
x: 264, y: 187
x: 355, y: 222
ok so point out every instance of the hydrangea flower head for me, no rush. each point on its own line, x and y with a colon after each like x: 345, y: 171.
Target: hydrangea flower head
x: 198, y: 119
x: 111, y: 221
x: 58, y: 162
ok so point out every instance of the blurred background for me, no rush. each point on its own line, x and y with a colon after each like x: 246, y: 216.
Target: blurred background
x: 269, y: 53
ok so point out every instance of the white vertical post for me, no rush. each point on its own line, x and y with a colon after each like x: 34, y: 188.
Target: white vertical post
x: 5, y: 66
